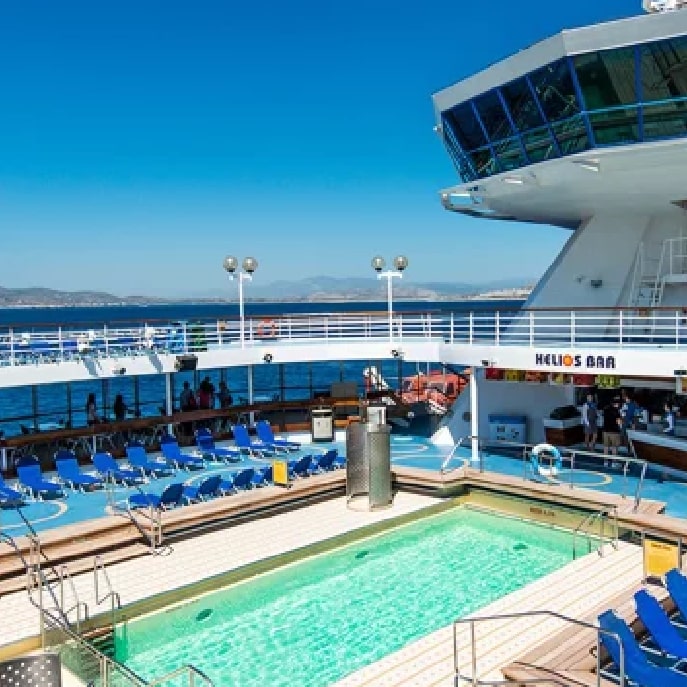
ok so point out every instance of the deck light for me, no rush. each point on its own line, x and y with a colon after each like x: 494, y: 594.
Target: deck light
x: 231, y: 265
x: 400, y: 264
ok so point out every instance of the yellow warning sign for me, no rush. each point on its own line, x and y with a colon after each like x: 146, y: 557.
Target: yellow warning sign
x: 280, y: 473
x: 659, y: 558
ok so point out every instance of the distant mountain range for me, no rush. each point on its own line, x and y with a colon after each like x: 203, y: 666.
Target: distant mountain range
x: 309, y: 289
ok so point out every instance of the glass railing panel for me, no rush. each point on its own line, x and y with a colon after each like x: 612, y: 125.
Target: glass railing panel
x: 665, y: 120
x: 571, y: 135
x: 509, y: 154
x: 539, y: 145
x: 615, y: 127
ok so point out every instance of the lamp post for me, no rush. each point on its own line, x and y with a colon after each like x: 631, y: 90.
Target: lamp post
x: 249, y: 265
x: 378, y: 264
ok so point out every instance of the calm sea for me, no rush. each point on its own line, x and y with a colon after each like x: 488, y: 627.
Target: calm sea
x: 32, y: 406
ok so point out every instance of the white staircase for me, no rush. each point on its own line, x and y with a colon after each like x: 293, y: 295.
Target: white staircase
x: 656, y: 265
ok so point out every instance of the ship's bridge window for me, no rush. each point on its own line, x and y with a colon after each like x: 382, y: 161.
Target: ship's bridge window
x: 463, y: 122
x: 554, y: 87
x: 664, y: 88
x: 607, y: 78
x: 664, y: 69
x: 616, y: 126
x: 523, y: 108
x: 493, y: 116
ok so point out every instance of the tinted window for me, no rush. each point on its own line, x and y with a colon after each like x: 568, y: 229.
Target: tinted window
x: 664, y: 69
x: 553, y: 85
x: 522, y: 105
x: 464, y: 124
x: 493, y: 116
x: 607, y: 78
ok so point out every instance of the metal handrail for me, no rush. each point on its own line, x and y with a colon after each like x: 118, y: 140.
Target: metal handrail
x: 549, y: 329
x: 444, y: 465
x: 588, y: 521
x: 154, y: 536
x: 111, y: 594
x: 474, y: 680
x: 109, y: 666
x: 78, y: 605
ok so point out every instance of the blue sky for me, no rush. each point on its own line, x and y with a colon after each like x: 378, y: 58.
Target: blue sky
x: 140, y: 142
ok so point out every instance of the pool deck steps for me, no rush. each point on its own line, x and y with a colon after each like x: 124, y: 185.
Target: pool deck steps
x: 579, y: 590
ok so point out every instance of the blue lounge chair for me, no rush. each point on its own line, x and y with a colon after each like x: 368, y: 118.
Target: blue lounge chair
x: 207, y: 489
x: 266, y: 435
x: 108, y: 468
x: 68, y: 471
x: 138, y: 458
x: 244, y: 479
x: 662, y: 631
x: 330, y: 460
x: 303, y: 467
x: 170, y: 497
x: 244, y: 443
x: 9, y: 497
x: 637, y: 666
x: 206, y: 444
x: 175, y: 456
x: 677, y: 587
x: 31, y: 477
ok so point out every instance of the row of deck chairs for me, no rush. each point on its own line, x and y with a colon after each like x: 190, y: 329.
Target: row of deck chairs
x: 660, y: 660
x: 216, y: 485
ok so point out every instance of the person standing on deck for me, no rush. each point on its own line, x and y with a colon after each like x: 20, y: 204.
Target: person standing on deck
x: 590, y: 422
x: 92, y: 417
x: 669, y: 419
x: 612, y: 425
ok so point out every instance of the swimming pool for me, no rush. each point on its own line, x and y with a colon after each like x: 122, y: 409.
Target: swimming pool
x: 315, y: 621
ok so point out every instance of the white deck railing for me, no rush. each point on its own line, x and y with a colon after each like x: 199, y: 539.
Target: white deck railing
x: 634, y: 328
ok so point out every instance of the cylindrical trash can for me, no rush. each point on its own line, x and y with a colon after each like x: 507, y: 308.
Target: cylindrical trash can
x: 322, y: 424
x: 368, y: 465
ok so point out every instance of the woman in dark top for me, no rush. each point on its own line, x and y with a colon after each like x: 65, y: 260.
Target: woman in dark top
x: 91, y: 410
x: 119, y: 408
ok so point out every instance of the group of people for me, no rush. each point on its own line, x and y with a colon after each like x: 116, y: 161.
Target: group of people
x: 205, y: 398
x: 119, y: 409
x: 620, y: 415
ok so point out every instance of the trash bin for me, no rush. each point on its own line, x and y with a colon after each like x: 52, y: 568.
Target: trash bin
x: 322, y: 424
x: 368, y: 465
x: 508, y: 428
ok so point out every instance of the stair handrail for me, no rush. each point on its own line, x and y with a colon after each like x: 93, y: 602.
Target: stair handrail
x: 475, y: 681
x: 78, y: 605
x: 637, y: 274
x: 111, y: 594
x: 444, y: 465
x: 588, y: 522
x: 109, y: 665
x: 154, y: 536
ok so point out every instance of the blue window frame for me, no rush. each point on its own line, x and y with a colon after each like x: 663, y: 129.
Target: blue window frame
x: 610, y: 97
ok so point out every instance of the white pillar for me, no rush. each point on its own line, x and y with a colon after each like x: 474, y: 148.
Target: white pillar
x: 169, y: 401
x: 474, y: 413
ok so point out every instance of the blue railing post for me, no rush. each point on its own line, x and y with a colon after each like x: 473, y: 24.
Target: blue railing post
x: 451, y: 334
x: 620, y: 329
x: 497, y: 327
x: 531, y: 329
x: 471, y: 328
x: 12, y: 362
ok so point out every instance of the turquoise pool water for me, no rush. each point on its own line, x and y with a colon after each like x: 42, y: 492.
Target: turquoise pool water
x: 313, y: 622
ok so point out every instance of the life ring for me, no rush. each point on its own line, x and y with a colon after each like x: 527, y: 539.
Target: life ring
x: 556, y: 466
x: 266, y: 328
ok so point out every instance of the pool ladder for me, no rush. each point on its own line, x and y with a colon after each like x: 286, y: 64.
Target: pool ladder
x: 585, y: 528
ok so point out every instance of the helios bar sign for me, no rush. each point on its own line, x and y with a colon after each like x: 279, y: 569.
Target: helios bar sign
x: 592, y: 362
